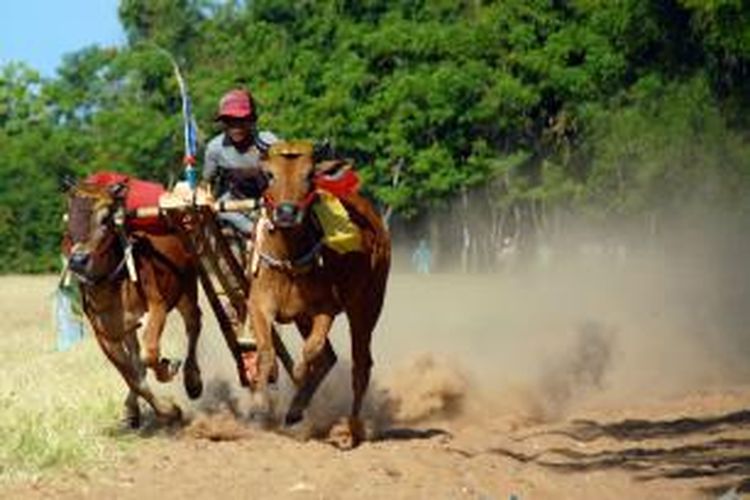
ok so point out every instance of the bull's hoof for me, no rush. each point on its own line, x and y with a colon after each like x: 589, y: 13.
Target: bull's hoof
x: 347, y: 434
x: 261, y: 410
x: 171, y: 416
x: 130, y: 421
x: 167, y: 369
x: 261, y: 420
x: 193, y: 383
x: 293, y: 417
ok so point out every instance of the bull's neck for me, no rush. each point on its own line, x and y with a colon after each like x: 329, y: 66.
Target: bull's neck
x: 288, y: 243
x: 104, y: 295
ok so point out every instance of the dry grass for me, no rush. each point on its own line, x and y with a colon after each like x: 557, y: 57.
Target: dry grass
x: 57, y: 410
x: 60, y: 411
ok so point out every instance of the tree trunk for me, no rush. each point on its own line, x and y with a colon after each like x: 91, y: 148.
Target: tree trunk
x: 465, y: 232
x: 434, y: 228
x: 394, y: 182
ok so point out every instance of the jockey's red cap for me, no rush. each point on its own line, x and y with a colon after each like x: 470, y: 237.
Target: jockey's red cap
x: 236, y: 104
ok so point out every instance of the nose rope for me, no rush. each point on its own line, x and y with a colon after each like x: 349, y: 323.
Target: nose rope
x: 308, y: 200
x: 109, y: 277
x: 271, y: 204
x: 268, y: 201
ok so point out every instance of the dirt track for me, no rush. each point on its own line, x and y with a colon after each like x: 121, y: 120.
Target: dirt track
x: 480, y: 390
x: 219, y: 458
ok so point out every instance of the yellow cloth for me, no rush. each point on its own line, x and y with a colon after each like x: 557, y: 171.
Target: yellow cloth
x: 340, y: 234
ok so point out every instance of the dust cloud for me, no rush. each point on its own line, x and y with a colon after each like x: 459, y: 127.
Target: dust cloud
x: 591, y: 323
x: 604, y: 316
x: 574, y: 374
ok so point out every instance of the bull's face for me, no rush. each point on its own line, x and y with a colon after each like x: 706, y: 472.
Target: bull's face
x: 91, y: 231
x: 290, y: 169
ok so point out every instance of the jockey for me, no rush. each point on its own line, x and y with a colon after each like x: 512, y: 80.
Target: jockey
x: 232, y: 159
x: 232, y: 168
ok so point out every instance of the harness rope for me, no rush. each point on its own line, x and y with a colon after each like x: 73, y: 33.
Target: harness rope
x: 289, y: 265
x: 299, y: 265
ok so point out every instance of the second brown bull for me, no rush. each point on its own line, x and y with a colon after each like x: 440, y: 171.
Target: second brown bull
x: 299, y: 280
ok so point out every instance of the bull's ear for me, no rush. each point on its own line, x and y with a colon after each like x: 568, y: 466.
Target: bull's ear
x: 331, y: 167
x: 266, y: 175
x: 117, y: 190
x: 323, y: 150
x: 66, y: 183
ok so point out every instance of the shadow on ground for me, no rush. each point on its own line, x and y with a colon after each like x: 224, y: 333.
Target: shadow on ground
x: 713, y: 455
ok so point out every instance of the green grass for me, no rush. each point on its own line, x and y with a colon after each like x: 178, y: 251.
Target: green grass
x: 57, y: 410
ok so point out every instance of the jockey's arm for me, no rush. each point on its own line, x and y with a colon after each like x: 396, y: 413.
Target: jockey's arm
x: 239, y: 175
x: 264, y: 140
x: 211, y: 165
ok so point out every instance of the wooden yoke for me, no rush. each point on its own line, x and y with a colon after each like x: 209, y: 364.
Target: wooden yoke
x: 199, y: 231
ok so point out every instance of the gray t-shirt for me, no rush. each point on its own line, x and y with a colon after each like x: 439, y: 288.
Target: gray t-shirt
x: 235, y: 171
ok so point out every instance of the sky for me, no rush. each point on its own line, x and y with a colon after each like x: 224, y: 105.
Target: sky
x: 40, y: 32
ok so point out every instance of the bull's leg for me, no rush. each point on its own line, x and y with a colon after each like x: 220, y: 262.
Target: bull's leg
x: 164, y: 369
x: 361, y: 335
x: 135, y: 378
x: 319, y: 368
x: 349, y: 432
x: 131, y: 416
x: 314, y: 344
x: 191, y: 315
x: 261, y: 324
x: 132, y: 413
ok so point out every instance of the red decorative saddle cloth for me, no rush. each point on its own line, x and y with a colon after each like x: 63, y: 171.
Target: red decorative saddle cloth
x: 340, y: 183
x: 139, y: 194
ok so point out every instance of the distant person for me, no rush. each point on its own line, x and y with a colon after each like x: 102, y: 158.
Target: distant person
x: 232, y: 159
x: 507, y: 253
x: 422, y: 257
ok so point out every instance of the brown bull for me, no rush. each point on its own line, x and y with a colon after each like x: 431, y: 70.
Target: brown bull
x: 115, y: 304
x: 297, y: 279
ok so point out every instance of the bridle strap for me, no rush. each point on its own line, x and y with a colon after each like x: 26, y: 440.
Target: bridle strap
x: 111, y: 277
x: 270, y: 202
x: 300, y: 264
x: 126, y: 246
x: 308, y: 200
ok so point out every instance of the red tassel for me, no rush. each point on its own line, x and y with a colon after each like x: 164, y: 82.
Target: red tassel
x: 341, y: 186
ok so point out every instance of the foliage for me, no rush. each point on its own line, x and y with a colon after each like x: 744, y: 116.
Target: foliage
x: 614, y: 107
